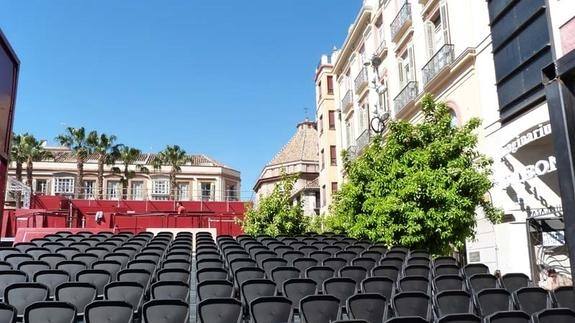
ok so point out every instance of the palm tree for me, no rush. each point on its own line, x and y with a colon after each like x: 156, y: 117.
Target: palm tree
x: 76, y: 140
x: 127, y: 156
x: 105, y: 149
x: 174, y: 157
x: 34, y: 151
x: 17, y: 155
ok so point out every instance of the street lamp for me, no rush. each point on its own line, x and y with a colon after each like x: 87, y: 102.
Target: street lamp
x: 378, y: 122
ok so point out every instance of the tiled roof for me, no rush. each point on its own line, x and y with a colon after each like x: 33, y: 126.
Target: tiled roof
x: 303, y: 146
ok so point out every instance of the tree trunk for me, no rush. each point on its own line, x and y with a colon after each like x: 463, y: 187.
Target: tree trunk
x: 173, y: 184
x: 19, y: 179
x: 80, y: 184
x: 125, y: 183
x: 100, y: 177
x: 29, y: 168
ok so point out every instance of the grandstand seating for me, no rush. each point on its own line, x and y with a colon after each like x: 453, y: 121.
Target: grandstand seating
x: 166, y: 278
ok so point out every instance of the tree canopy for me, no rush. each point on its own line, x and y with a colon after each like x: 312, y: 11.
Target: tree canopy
x: 419, y: 187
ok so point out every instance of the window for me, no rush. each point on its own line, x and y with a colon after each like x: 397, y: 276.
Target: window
x: 349, y: 131
x: 319, y: 90
x: 160, y: 189
x: 322, y: 161
x: 231, y: 192
x: 41, y: 186
x: 113, y: 189
x: 329, y: 84
x: 331, y: 119
x: 88, y: 189
x: 206, y: 189
x: 183, y: 192
x: 320, y: 124
x: 137, y: 190
x: 437, y: 30
x: 64, y: 185
x: 454, y: 119
x: 333, y: 187
x: 323, y: 196
x: 406, y: 67
x: 332, y: 155
x: 363, y: 117
x: 384, y: 99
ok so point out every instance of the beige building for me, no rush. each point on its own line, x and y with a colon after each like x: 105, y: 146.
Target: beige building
x: 484, y: 59
x: 202, y: 178
x: 299, y: 157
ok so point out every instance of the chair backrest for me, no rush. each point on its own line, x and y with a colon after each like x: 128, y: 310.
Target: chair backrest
x: 98, y: 278
x: 459, y: 318
x: 7, y: 313
x: 211, y: 274
x: 270, y: 309
x: 170, y: 290
x: 140, y: 276
x: 364, y: 262
x: 51, y: 278
x: 334, y: 263
x: 58, y: 312
x: 242, y: 263
x: 340, y: 287
x: 354, y: 272
x: 174, y: 274
x: 78, y: 294
x: 219, y: 310
x: 319, y: 309
x: 565, y: 297
x: 446, y: 269
x: 493, y: 300
x: 87, y: 258
x: 454, y: 302
x: 111, y: 266
x: 297, y: 288
x: 479, y: 282
x: 416, y: 270
x: 304, y: 263
x: 32, y: 267
x: 411, y: 304
x: 255, y: 288
x: 21, y: 295
x: 280, y: 274
x: 390, y: 272
x: 319, y: 274
x: 129, y: 292
x: 291, y: 256
x: 390, y: 260
x: 369, y: 307
x: 176, y: 263
x: 271, y: 263
x: 532, y: 299
x: 8, y: 277
x: 348, y: 255
x: 108, y: 311
x: 508, y: 317
x: 472, y: 269
x: 445, y: 260
x: 215, y: 289
x: 514, y: 281
x: 72, y: 267
x: 414, y: 284
x: 380, y: 285
x: 165, y: 311
x: 449, y: 282
x: 556, y: 315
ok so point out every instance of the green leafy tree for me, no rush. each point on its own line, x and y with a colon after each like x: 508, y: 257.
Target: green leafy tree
x: 77, y: 140
x: 128, y: 156
x: 420, y: 187
x: 173, y: 157
x: 276, y: 214
x: 18, y: 156
x: 34, y: 151
x: 106, y: 150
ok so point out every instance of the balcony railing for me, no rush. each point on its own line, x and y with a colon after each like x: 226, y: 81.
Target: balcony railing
x: 405, y: 96
x: 352, y: 151
x: 361, y: 80
x: 381, y: 49
x: 346, y: 102
x: 363, y: 140
x: 402, y: 18
x: 441, y: 59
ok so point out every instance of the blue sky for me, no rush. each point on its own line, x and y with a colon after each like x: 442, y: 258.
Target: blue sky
x: 226, y: 78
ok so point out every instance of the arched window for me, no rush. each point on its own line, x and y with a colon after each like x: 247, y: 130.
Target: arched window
x: 454, y: 118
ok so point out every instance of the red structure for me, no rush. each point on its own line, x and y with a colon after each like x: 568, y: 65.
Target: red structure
x: 52, y: 213
x: 9, y: 66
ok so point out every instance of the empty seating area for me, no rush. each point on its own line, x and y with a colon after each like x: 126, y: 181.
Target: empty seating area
x: 167, y: 278
x: 332, y: 278
x: 94, y: 278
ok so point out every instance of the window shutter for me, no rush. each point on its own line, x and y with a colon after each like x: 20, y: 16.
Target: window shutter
x: 411, y: 62
x: 400, y: 70
x: 429, y: 31
x: 444, y: 21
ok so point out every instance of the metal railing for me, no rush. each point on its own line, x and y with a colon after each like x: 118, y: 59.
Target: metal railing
x: 401, y: 19
x: 361, y: 80
x: 347, y: 100
x: 382, y: 48
x: 406, y: 95
x: 352, y: 151
x: 363, y: 140
x: 441, y: 59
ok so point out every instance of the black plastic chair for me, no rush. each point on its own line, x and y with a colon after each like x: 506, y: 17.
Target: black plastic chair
x: 109, y: 312
x: 454, y: 302
x: 7, y: 313
x: 340, y: 287
x: 379, y: 285
x: 255, y: 288
x: 335, y: 263
x: 271, y: 263
x: 98, y: 278
x: 460, y: 318
x: 446, y: 269
x: 416, y: 270
x: 391, y: 261
x: 20, y: 295
x: 472, y: 269
x: 390, y: 272
x: 211, y: 274
x: 445, y: 260
x: 319, y: 309
x: 298, y: 288
x: 165, y: 311
x: 87, y: 258
x: 555, y: 315
x: 209, y: 263
x: 57, y: 312
x: 32, y: 267
x: 68, y: 252
x: 281, y: 274
x: 242, y: 263
x: 412, y: 319
x: 129, y: 292
x: 532, y: 299
x: 304, y: 263
x: 494, y: 300
x: 16, y: 259
x: 52, y: 259
x: 479, y: 282
x: 215, y: 289
x: 514, y: 281
x: 174, y: 275
x: 77, y: 294
x: 72, y: 267
x: 9, y: 277
x: 354, y: 272
x: 220, y: 310
x: 271, y: 309
x: 565, y: 297
x: 37, y: 252
x: 319, y: 274
x: 51, y: 278
x: 291, y: 256
x: 170, y: 290
x: 508, y: 317
x: 111, y: 266
x: 347, y: 255
x: 369, y: 307
x: 414, y: 284
x: 176, y: 264
x: 412, y: 304
x: 449, y: 282
x: 121, y: 258
x: 5, y: 251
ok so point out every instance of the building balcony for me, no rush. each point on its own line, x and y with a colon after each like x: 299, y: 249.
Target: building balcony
x: 346, y: 102
x: 440, y: 60
x: 361, y: 80
x: 381, y: 49
x: 401, y: 22
x: 363, y: 140
x: 405, y: 96
x: 352, y: 151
